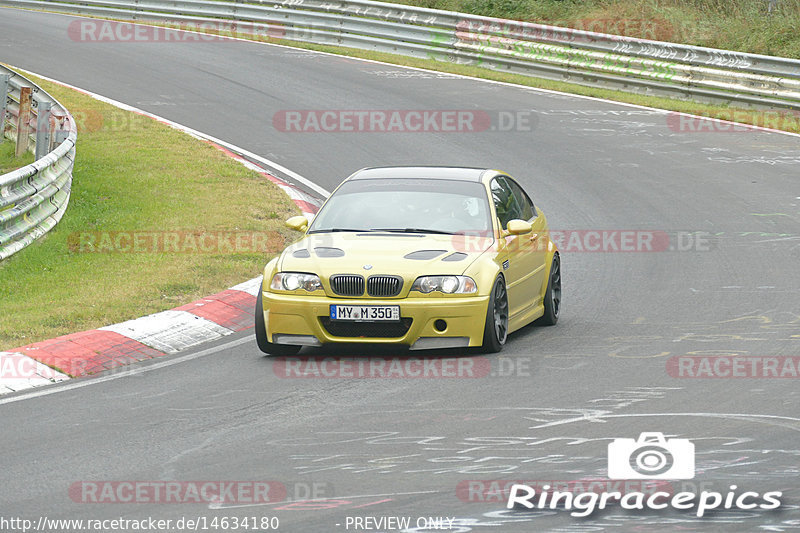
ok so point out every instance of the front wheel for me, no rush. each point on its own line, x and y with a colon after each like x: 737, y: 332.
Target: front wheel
x: 495, y: 331
x: 552, y: 297
x: 261, y: 334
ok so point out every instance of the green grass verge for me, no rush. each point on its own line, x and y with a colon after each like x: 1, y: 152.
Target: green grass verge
x: 7, y: 160
x: 135, y: 175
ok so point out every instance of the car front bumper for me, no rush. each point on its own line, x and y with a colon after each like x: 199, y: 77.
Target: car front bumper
x: 304, y: 320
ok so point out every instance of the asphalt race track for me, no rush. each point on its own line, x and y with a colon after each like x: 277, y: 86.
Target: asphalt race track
x: 554, y: 398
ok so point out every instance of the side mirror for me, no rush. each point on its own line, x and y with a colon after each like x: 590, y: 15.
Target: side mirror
x: 298, y: 223
x: 518, y: 227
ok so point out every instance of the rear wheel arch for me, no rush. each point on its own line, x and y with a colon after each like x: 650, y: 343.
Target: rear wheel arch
x: 552, y: 294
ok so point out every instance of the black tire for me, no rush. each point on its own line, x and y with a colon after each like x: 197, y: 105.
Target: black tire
x: 495, y: 331
x: 552, y: 296
x: 261, y: 334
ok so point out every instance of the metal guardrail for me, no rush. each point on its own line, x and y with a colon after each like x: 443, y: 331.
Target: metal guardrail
x: 33, y: 198
x: 576, y: 56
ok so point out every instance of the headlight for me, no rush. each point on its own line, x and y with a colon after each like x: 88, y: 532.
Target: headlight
x: 445, y: 284
x: 291, y: 281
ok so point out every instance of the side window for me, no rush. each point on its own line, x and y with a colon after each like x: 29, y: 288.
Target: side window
x: 504, y: 201
x: 526, y: 206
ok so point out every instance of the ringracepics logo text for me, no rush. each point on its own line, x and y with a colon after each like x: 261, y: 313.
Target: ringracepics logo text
x: 649, y: 457
x: 586, y: 503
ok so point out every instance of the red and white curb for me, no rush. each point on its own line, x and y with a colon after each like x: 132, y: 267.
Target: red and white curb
x: 18, y: 372
x: 97, y: 350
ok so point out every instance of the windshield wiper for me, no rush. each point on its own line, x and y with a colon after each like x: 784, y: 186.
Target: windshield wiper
x: 413, y: 230
x: 334, y: 230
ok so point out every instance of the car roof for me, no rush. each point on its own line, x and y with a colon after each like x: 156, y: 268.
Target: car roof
x: 427, y: 172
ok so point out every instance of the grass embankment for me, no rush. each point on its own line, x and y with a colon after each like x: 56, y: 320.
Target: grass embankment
x: 136, y: 177
x: 743, y: 25
x: 7, y: 160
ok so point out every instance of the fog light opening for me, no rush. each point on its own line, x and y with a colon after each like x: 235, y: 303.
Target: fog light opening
x: 440, y: 325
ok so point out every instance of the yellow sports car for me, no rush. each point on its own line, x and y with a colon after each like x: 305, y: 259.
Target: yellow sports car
x: 426, y: 257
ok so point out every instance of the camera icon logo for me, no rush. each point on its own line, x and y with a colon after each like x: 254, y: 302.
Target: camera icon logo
x: 651, y: 456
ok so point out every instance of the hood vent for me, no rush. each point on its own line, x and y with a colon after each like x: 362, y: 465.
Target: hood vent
x: 302, y: 253
x: 424, y: 255
x: 324, y: 251
x: 455, y: 256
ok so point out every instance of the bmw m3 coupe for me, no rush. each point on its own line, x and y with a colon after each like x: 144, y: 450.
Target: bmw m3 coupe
x: 426, y: 257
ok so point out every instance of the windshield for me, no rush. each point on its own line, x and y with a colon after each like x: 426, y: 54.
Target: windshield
x: 406, y: 205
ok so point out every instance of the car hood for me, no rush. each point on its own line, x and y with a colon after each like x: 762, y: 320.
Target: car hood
x: 406, y: 255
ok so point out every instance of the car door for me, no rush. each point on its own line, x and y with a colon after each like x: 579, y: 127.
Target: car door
x: 515, y: 250
x: 534, y: 246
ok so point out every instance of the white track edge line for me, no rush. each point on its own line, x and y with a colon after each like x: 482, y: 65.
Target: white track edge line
x: 130, y: 370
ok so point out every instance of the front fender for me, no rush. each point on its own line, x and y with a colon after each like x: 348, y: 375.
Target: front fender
x: 270, y: 270
x: 484, y: 271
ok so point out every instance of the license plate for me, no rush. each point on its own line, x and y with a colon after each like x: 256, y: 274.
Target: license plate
x: 365, y: 313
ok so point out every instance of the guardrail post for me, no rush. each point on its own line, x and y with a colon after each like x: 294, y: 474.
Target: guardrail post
x: 4, y: 80
x: 62, y: 131
x: 24, y: 120
x: 43, y: 130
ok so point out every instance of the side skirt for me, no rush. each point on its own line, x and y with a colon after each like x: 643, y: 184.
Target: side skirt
x: 525, y: 317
